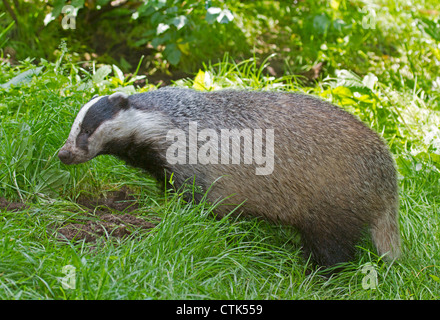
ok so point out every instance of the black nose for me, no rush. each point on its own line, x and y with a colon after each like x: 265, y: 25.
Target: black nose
x: 65, y: 156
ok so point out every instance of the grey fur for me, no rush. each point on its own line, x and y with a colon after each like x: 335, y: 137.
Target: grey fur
x: 333, y: 176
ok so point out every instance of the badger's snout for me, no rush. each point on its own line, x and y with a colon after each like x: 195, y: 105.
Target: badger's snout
x: 65, y: 156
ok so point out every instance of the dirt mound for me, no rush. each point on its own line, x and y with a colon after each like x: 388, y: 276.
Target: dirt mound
x: 120, y: 200
x: 107, y: 225
x: 108, y: 216
x: 12, y: 206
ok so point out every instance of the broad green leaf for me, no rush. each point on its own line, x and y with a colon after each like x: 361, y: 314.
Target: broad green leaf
x: 321, y: 23
x: 51, y: 180
x: 225, y: 16
x: 180, y: 22
x: 348, y: 79
x: 174, y: 57
x: 434, y: 277
x: 216, y: 14
x: 369, y: 81
x: 199, y: 81
x: 57, y: 7
x: 133, y: 79
x: 22, y: 78
x: 203, y: 81
x: 435, y: 158
x: 161, y: 28
x: 342, y: 91
x: 130, y: 89
x: 212, y: 14
x: 118, y: 73
x: 172, y: 54
x: 101, y: 73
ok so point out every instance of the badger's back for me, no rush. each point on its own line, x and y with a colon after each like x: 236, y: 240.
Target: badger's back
x: 321, y: 153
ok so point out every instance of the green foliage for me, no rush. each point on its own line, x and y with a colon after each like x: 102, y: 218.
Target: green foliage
x: 3, y: 32
x: 247, y: 74
x: 381, y: 63
x: 361, y: 36
x: 431, y: 27
x: 28, y: 113
x: 183, y: 31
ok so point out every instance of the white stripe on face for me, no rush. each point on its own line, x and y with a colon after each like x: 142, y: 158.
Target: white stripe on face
x: 76, y: 127
x: 142, y: 126
x: 70, y: 145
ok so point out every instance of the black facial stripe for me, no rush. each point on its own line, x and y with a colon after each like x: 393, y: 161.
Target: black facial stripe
x: 98, y: 113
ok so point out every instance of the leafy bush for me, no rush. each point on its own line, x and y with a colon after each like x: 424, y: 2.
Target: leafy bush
x: 181, y: 32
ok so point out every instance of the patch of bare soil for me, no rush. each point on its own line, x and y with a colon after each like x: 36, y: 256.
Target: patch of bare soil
x: 120, y: 200
x: 107, y: 225
x: 12, y: 206
x: 109, y: 217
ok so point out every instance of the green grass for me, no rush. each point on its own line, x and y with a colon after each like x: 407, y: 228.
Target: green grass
x: 190, y: 254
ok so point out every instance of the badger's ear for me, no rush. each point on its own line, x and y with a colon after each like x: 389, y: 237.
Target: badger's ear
x: 120, y: 99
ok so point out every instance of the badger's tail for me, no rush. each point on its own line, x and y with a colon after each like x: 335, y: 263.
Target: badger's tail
x: 386, y: 235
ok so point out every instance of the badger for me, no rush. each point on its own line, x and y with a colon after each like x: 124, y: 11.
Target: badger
x: 322, y: 170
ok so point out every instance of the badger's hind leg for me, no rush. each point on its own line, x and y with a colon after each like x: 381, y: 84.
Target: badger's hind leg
x: 385, y: 233
x: 332, y: 241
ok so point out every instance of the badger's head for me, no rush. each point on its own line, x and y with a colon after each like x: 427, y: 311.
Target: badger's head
x: 97, y: 122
